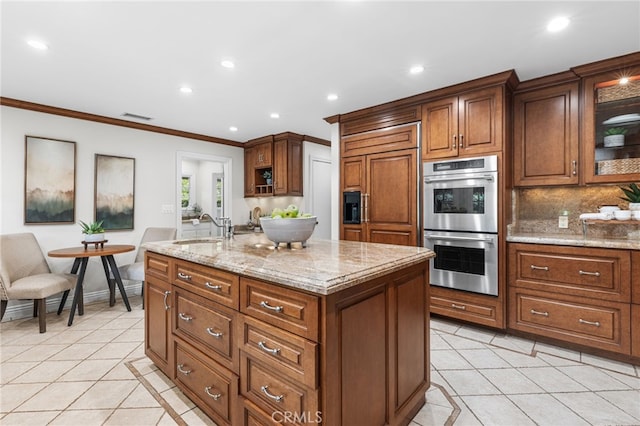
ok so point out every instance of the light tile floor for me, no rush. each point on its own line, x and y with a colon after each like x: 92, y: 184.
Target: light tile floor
x: 95, y: 373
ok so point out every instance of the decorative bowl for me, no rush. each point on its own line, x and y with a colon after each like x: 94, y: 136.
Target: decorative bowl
x: 288, y: 231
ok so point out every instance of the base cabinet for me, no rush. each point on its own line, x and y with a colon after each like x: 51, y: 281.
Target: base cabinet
x: 474, y: 308
x: 267, y: 354
x: 577, y: 295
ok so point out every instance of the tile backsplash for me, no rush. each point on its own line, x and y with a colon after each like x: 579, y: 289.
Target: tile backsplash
x: 536, y: 210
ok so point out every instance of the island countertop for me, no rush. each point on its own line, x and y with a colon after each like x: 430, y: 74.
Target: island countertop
x: 323, y: 267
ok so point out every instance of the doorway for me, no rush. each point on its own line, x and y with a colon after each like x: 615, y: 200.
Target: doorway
x: 202, y: 187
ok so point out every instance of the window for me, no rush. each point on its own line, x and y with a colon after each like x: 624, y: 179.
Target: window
x: 186, y: 190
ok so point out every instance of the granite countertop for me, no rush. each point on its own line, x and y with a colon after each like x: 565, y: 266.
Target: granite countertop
x: 323, y: 267
x: 574, y: 240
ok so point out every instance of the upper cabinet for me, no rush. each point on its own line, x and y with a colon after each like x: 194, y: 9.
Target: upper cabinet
x: 468, y: 124
x: 273, y: 165
x: 611, y: 120
x: 468, y: 119
x: 546, y: 131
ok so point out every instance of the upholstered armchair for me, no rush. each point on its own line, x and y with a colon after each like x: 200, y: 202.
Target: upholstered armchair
x: 25, y: 274
x: 135, y: 271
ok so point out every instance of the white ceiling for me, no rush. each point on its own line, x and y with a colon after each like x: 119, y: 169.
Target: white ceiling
x: 108, y: 58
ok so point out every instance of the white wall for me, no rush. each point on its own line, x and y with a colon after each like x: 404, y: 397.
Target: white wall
x: 155, y: 182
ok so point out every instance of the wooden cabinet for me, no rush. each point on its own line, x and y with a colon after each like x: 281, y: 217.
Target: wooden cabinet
x: 611, y: 104
x: 157, y: 326
x: 573, y: 294
x: 356, y: 356
x: 546, y: 131
x: 464, y: 125
x: 474, y: 308
x: 388, y: 182
x: 287, y: 165
x: 635, y: 304
x: 281, y: 156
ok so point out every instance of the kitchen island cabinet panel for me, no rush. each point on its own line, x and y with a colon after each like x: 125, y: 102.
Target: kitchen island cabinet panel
x: 157, y: 326
x: 207, y: 325
x: 211, y: 386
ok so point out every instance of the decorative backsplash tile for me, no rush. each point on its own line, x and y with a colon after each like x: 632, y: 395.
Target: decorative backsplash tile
x: 536, y: 210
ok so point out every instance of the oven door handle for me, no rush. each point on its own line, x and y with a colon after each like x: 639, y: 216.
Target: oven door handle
x: 456, y: 178
x: 451, y: 238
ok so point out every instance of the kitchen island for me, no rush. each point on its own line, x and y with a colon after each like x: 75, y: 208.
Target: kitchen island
x: 336, y: 332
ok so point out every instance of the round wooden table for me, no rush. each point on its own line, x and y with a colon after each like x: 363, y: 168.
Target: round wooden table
x: 82, y: 255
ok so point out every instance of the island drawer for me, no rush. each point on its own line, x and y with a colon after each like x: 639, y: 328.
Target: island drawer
x: 605, y: 325
x: 212, y: 386
x: 157, y: 265
x: 208, y: 325
x: 588, y: 272
x: 272, y: 391
x: 217, y: 285
x: 286, y: 353
x: 284, y: 308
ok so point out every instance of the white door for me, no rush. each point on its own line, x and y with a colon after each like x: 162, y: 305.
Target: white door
x: 320, y: 196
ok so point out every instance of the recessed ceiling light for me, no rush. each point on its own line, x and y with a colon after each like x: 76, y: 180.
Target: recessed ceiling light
x: 37, y: 45
x: 558, y: 24
x: 227, y: 63
x: 275, y: 115
x: 416, y: 69
x: 233, y: 128
x: 185, y: 89
x: 623, y: 80
x: 332, y: 97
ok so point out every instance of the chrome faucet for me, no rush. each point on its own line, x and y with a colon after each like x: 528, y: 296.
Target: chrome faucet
x: 227, y: 229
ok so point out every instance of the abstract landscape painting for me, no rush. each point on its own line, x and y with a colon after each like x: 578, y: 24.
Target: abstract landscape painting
x: 50, y: 168
x: 114, y: 191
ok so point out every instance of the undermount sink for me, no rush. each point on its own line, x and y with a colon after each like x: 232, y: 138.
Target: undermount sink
x: 198, y: 241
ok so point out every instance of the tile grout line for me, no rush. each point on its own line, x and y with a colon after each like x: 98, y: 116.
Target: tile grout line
x: 163, y: 403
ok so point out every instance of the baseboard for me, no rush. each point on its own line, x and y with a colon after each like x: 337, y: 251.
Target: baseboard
x: 19, y: 309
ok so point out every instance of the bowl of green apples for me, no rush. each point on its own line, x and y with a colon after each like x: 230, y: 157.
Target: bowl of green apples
x: 288, y: 225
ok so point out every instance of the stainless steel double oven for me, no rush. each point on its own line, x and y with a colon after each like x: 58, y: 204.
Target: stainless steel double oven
x: 461, y: 223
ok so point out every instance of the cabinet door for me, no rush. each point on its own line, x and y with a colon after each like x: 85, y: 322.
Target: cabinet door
x: 480, y: 121
x: 263, y: 155
x: 546, y: 136
x: 249, y: 172
x: 440, y: 128
x: 611, y: 107
x: 158, y: 323
x: 390, y: 207
x: 287, y: 167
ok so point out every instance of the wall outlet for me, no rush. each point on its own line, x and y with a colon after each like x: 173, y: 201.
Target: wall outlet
x: 563, y: 222
x: 167, y: 209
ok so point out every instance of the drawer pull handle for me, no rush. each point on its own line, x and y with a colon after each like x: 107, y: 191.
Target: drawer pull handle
x: 215, y: 396
x: 266, y: 305
x: 185, y: 317
x: 184, y: 276
x: 265, y: 390
x: 183, y: 371
x: 461, y: 307
x: 212, y: 287
x: 217, y: 335
x: 544, y: 314
x: 594, y: 323
x: 264, y: 347
x: 539, y: 268
x: 164, y: 300
x: 595, y: 274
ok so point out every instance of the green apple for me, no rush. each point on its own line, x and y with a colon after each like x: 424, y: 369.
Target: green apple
x: 288, y: 214
x: 293, y: 209
x: 277, y: 212
x: 276, y: 217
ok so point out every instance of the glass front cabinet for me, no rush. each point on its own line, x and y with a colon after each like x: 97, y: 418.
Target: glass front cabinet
x: 611, y: 123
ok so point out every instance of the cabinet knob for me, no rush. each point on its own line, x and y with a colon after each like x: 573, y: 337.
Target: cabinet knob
x: 574, y: 166
x: 461, y: 139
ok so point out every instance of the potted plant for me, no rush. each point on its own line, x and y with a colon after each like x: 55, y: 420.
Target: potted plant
x: 267, y: 176
x: 614, y: 136
x: 93, y: 231
x: 632, y: 195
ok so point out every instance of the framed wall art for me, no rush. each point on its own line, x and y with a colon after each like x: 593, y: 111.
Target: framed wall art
x: 114, y: 191
x: 50, y: 181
